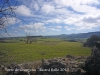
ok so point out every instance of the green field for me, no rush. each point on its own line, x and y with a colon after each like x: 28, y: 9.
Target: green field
x: 21, y: 52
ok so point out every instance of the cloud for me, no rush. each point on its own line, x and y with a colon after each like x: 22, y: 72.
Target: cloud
x: 85, y: 6
x: 59, y: 27
x: 53, y: 21
x: 55, y: 28
x: 86, y: 23
x: 68, y: 28
x: 33, y: 27
x: 80, y: 23
x: 70, y: 20
x: 86, y: 9
x: 36, y: 6
x: 75, y: 2
x: 62, y: 11
x: 91, y: 19
x: 10, y: 21
x: 47, y: 9
x: 57, y: 15
x: 23, y: 10
x: 13, y: 21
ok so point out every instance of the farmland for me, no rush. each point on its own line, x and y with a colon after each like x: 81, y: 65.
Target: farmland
x: 21, y: 52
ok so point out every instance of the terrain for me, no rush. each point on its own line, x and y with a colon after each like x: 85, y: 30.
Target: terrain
x: 76, y: 36
x: 20, y: 52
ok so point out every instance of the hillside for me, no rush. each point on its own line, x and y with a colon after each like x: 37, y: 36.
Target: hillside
x: 79, y: 35
x: 62, y: 36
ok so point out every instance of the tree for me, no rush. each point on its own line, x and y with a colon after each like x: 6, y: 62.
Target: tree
x: 91, y: 41
x: 6, y: 11
x: 92, y: 63
x: 30, y: 39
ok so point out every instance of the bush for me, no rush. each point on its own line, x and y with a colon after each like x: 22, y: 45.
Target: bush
x: 91, y: 41
x: 72, y: 41
x: 92, y: 63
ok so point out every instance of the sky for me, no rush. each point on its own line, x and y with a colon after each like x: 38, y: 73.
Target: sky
x: 54, y: 17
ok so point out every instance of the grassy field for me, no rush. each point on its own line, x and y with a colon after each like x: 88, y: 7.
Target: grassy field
x: 21, y: 52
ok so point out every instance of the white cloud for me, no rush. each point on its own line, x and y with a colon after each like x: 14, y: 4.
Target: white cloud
x: 53, y: 21
x: 36, y: 6
x: 33, y: 27
x: 70, y: 20
x: 79, y: 5
x: 63, y: 2
x: 23, y: 10
x: 86, y: 23
x: 47, y: 9
x: 15, y: 31
x: 10, y: 21
x: 91, y: 19
x: 62, y: 11
x: 86, y: 9
x: 75, y: 2
x: 59, y: 27
x: 68, y: 28
x: 71, y: 14
x: 87, y: 1
x: 13, y: 21
x: 55, y: 28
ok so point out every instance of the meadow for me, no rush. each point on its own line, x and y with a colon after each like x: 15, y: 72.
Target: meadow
x: 20, y: 52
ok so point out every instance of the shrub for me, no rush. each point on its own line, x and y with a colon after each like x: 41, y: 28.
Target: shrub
x: 91, y: 41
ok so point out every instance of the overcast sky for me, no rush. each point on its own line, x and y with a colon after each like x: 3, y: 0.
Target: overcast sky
x: 53, y: 17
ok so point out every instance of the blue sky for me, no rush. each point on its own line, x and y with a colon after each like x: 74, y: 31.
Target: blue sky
x: 54, y: 17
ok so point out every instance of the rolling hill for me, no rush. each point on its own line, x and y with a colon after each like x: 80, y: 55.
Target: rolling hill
x: 73, y: 36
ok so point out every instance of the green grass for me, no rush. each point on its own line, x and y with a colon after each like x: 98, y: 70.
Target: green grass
x: 49, y: 39
x: 21, y: 52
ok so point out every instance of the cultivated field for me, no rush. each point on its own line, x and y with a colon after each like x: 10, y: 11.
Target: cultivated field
x: 21, y: 52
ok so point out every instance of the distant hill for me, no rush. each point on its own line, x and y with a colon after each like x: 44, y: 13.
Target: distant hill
x: 63, y: 36
x: 79, y: 35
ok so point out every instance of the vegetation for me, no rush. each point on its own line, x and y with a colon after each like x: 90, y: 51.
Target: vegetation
x: 74, y: 36
x: 44, y: 48
x: 91, y: 41
x: 92, y: 63
x: 6, y: 13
